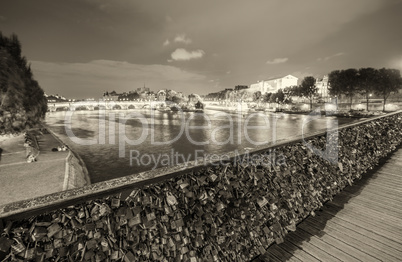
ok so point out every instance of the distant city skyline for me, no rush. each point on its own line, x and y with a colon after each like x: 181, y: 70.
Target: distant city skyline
x: 80, y: 49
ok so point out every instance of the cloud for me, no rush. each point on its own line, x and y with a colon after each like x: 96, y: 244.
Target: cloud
x: 182, y: 38
x: 277, y: 61
x: 91, y: 79
x: 2, y: 18
x: 330, y: 57
x: 168, y: 19
x: 166, y: 43
x: 183, y: 54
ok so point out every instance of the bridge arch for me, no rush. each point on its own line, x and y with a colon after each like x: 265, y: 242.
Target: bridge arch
x: 81, y: 108
x: 131, y: 106
x: 116, y: 107
x: 62, y: 108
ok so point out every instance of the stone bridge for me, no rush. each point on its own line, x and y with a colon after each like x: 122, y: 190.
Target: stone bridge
x: 108, y: 105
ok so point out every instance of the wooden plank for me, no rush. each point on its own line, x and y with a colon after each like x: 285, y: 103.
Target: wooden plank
x: 334, y: 246
x: 383, y: 188
x: 379, y: 200
x: 381, y: 196
x: 344, y: 201
x: 376, y: 192
x: 281, y: 255
x: 389, y: 184
x: 392, y: 196
x: 396, y: 175
x: 297, y: 251
x: 382, y: 175
x: 269, y: 256
x: 358, y: 241
x: 366, y: 218
x: 382, y: 221
x: 391, y: 213
x: 300, y: 239
x: 394, y: 170
x: 371, y: 227
x: 364, y: 210
x: 337, y: 222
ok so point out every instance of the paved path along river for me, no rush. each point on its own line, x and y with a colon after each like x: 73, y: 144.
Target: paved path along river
x: 21, y: 180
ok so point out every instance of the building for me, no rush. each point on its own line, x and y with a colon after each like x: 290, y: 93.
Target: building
x: 142, y: 89
x: 240, y: 87
x: 274, y: 84
x: 322, y: 87
x: 161, y: 95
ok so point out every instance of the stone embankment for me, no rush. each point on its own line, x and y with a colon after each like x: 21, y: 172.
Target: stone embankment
x: 76, y: 174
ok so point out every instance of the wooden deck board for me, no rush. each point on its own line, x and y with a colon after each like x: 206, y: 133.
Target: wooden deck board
x: 297, y: 238
x: 361, y: 223
x: 297, y: 251
x: 355, y: 240
x: 357, y: 220
x: 364, y: 208
x: 364, y: 232
x: 334, y: 246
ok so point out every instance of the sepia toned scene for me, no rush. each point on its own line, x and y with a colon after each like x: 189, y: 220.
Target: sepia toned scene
x: 200, y: 130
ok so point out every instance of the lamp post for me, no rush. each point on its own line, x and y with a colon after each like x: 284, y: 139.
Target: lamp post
x: 336, y: 103
x: 368, y: 101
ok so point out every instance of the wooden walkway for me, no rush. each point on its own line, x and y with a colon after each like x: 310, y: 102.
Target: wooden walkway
x: 362, y: 223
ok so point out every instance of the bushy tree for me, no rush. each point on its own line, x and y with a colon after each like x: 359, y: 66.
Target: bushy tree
x: 344, y: 82
x: 307, y: 89
x: 257, y: 95
x: 365, y: 81
x: 22, y: 101
x: 389, y: 81
x: 368, y: 82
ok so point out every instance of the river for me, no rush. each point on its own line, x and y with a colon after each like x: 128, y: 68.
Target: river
x: 123, y: 142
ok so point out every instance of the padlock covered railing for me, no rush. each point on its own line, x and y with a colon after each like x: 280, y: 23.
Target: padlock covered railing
x: 220, y: 211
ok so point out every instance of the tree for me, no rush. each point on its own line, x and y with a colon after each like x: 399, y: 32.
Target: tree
x: 389, y: 81
x: 278, y: 97
x: 307, y: 89
x: 267, y: 97
x: 368, y: 80
x: 257, y: 95
x: 22, y: 101
x: 344, y: 82
x: 289, y: 92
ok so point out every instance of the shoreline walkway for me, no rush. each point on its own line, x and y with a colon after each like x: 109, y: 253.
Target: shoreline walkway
x: 20, y: 180
x: 362, y: 223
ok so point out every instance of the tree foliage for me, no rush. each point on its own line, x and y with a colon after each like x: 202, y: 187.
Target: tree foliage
x: 389, y: 81
x: 307, y: 89
x: 22, y: 100
x: 364, y: 81
x: 368, y: 81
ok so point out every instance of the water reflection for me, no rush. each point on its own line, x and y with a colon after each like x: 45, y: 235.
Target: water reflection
x: 129, y: 142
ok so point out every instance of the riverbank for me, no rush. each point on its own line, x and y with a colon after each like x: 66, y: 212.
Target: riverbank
x: 54, y: 171
x: 76, y: 171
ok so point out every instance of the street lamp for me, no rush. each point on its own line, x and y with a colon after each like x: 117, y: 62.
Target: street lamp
x: 368, y: 101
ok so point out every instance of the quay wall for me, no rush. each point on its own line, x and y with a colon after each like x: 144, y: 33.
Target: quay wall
x: 76, y: 171
x: 77, y: 174
x: 218, y: 211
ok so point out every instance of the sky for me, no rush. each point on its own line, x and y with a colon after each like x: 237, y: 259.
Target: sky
x: 80, y: 49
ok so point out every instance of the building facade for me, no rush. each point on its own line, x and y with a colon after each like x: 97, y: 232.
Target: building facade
x: 322, y: 87
x: 274, y: 84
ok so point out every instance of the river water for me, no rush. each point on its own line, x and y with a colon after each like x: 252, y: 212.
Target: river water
x: 120, y: 142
